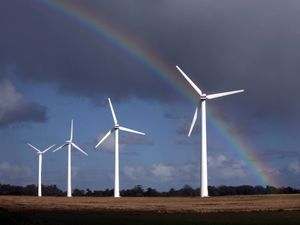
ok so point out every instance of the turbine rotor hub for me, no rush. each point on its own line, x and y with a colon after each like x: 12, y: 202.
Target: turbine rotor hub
x: 203, y: 97
x: 117, y: 126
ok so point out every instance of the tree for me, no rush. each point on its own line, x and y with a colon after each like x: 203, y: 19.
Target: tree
x: 78, y: 192
x: 151, y: 192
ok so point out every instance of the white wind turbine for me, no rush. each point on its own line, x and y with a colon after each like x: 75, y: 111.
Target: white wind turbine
x: 202, y: 102
x: 70, y: 143
x: 116, y: 129
x: 40, y: 153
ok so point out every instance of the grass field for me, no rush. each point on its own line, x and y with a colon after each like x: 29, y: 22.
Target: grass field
x: 252, y: 210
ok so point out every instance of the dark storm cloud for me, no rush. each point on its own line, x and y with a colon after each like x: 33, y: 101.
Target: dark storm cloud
x: 50, y: 48
x: 222, y: 45
x: 15, y: 108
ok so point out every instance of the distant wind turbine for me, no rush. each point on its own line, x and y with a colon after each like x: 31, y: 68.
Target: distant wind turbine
x: 116, y: 129
x: 202, y: 102
x: 40, y: 153
x: 70, y: 143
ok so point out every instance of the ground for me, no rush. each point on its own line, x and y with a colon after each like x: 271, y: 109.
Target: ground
x: 252, y: 210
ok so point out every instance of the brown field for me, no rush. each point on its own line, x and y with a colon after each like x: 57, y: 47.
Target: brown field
x: 231, y: 210
x: 152, y: 204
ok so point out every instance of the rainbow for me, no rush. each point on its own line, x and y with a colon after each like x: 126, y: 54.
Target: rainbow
x: 98, y: 25
x: 242, y: 149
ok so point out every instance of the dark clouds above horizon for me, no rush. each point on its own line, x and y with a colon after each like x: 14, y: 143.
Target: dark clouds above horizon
x: 223, y: 45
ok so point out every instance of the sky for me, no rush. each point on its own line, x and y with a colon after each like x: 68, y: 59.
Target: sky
x: 61, y: 60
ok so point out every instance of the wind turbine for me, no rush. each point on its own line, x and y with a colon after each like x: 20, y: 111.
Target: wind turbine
x: 115, y: 130
x: 202, y: 102
x: 70, y: 143
x: 40, y: 153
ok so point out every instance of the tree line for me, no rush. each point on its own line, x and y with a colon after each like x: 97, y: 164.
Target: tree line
x: 139, y: 191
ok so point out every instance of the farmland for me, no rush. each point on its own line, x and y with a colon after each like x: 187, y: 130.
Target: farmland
x: 257, y: 209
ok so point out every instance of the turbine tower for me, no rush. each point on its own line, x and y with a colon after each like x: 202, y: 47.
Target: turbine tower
x: 202, y: 103
x: 70, y: 143
x: 115, y: 130
x: 40, y: 153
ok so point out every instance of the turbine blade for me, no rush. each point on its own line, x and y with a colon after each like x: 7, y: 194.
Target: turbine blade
x: 190, y: 81
x: 105, y: 136
x: 78, y: 148
x: 60, y: 147
x: 194, y: 121
x: 218, y: 95
x: 131, y: 131
x: 30, y: 145
x: 48, y: 148
x: 112, y: 111
x: 71, y: 135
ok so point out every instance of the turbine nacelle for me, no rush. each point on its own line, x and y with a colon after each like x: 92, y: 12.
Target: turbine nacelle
x: 70, y: 142
x: 38, y: 151
x: 116, y: 126
x: 203, y: 97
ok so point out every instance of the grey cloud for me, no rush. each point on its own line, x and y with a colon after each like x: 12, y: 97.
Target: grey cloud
x: 15, y: 108
x: 225, y: 169
x: 13, y: 173
x: 54, y: 50
x: 134, y: 173
x: 294, y: 167
x: 173, y: 174
x: 221, y: 171
x: 164, y: 173
x: 222, y: 46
